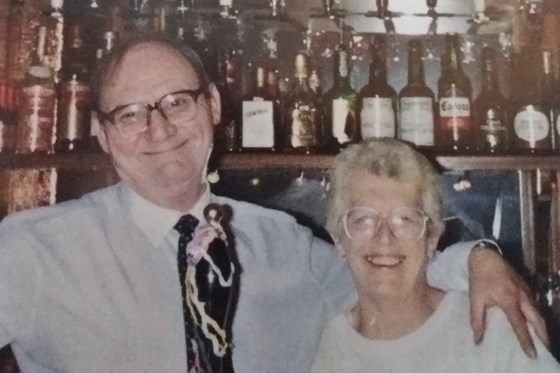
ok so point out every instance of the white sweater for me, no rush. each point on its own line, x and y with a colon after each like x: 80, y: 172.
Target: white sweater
x: 444, y: 343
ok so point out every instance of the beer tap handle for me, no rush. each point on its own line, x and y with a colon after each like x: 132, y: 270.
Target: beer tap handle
x: 432, y: 4
x: 328, y: 7
x: 382, y: 8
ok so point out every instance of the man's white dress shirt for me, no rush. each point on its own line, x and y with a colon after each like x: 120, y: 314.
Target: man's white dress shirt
x: 91, y: 285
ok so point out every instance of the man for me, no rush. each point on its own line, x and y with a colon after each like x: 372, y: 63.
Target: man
x: 92, y: 285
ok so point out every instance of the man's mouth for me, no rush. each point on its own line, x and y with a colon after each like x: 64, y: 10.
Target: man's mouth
x: 156, y: 152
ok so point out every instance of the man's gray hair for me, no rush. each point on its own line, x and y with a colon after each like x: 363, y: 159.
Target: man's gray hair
x: 111, y: 62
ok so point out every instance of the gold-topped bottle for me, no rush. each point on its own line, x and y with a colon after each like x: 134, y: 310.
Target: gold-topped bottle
x: 302, y: 112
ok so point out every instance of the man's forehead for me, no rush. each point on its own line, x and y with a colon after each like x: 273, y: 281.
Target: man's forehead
x: 144, y: 55
x: 148, y: 67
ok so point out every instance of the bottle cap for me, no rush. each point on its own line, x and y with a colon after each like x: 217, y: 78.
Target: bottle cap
x: 301, y: 66
x: 57, y: 4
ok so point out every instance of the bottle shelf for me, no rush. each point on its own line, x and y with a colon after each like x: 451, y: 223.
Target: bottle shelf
x: 249, y: 161
x: 446, y: 162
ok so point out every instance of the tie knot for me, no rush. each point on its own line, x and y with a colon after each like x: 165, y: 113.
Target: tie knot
x: 186, y: 225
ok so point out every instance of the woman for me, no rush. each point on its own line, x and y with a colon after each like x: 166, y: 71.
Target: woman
x: 384, y: 214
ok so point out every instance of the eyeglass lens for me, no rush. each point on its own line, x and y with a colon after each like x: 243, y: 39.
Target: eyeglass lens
x: 135, y: 118
x: 365, y: 223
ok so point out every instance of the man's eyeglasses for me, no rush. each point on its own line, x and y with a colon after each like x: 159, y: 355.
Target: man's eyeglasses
x: 405, y: 223
x: 132, y: 119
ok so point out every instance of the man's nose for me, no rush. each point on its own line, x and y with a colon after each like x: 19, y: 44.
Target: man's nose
x: 159, y: 127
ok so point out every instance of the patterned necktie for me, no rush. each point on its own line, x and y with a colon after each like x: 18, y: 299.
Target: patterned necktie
x: 186, y: 226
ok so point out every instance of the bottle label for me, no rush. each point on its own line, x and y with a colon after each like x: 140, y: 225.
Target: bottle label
x: 36, y: 119
x: 343, y: 64
x: 315, y: 82
x: 257, y: 124
x: 531, y: 125
x: 341, y: 109
x: 377, y: 118
x: 304, y: 130
x: 417, y: 120
x: 454, y: 113
x: 493, y: 131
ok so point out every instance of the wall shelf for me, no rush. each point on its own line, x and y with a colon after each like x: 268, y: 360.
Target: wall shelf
x: 248, y: 161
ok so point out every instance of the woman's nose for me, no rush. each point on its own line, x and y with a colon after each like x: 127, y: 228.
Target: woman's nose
x: 384, y: 234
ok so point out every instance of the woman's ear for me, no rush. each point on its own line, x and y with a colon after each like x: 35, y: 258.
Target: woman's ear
x: 434, y: 234
x: 337, y: 244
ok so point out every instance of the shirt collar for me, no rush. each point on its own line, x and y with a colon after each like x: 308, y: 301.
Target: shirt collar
x: 156, y: 221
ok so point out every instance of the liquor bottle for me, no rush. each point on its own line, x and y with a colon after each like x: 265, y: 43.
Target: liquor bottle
x: 556, y: 121
x: 73, y: 124
x: 315, y: 81
x: 108, y: 43
x: 199, y: 41
x: 302, y: 117
x: 227, y: 132
x: 8, y: 119
x: 37, y: 103
x: 180, y: 35
x: 416, y: 102
x: 378, y: 100
x: 340, y: 123
x: 271, y: 64
x: 547, y: 91
x: 455, y: 130
x: 143, y: 12
x: 22, y: 21
x: 316, y: 85
x: 531, y: 124
x: 490, y: 109
x: 160, y: 19
x: 55, y: 38
x: 259, y: 117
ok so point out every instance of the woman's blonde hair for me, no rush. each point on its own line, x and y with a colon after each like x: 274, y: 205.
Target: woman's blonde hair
x: 389, y: 158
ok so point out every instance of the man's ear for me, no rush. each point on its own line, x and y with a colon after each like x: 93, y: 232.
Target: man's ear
x: 98, y: 130
x: 215, y: 104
